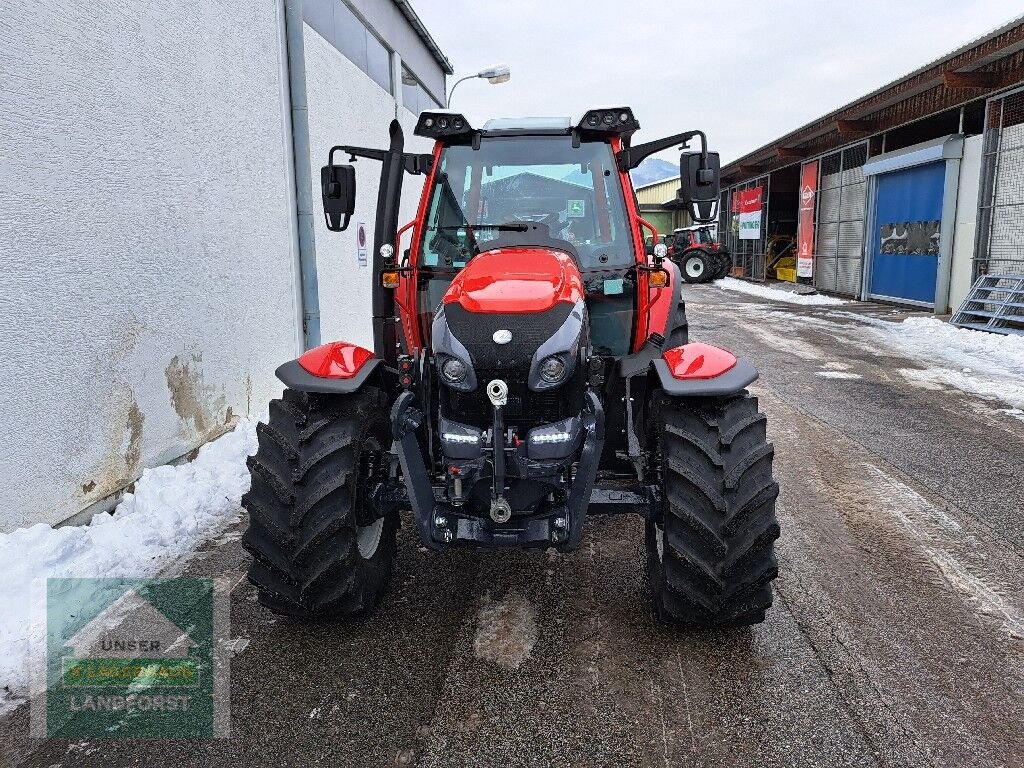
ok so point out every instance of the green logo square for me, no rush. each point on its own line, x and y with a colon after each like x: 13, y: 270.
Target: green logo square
x: 134, y: 658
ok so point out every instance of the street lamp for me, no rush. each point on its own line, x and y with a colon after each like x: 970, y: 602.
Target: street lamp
x: 499, y: 73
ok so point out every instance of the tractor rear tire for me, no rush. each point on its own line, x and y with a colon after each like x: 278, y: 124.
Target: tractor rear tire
x: 710, y: 553
x: 723, y: 267
x: 697, y: 266
x: 316, y: 552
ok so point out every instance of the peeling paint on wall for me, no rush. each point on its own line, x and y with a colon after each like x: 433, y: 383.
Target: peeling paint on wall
x: 121, y: 462
x: 191, y: 398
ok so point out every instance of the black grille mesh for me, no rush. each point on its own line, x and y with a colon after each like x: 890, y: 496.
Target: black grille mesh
x: 524, y: 408
x: 529, y: 331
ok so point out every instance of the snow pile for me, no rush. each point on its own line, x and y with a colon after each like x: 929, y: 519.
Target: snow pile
x: 172, y: 511
x: 776, y: 294
x: 985, y: 364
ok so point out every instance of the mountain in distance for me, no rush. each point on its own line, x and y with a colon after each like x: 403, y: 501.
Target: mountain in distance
x: 653, y: 169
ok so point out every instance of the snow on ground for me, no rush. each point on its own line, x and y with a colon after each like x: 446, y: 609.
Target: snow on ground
x: 776, y: 294
x: 171, y: 512
x: 988, y: 365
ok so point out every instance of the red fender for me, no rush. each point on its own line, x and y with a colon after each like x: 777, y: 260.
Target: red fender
x: 701, y: 370
x: 336, y: 360
x: 335, y: 368
x: 698, y: 361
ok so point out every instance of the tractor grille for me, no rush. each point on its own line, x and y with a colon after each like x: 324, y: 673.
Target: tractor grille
x: 524, y: 408
x: 529, y: 331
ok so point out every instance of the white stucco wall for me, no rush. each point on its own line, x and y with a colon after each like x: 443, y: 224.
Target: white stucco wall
x: 148, y: 286
x: 966, y: 222
x: 347, y: 107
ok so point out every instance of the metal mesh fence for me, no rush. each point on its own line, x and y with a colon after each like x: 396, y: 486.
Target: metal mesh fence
x: 1001, y: 210
x: 746, y: 254
x: 839, y: 248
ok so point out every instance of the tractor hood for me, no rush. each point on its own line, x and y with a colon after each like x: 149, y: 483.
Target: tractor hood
x: 516, y: 280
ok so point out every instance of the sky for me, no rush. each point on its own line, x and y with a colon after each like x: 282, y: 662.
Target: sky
x: 743, y: 72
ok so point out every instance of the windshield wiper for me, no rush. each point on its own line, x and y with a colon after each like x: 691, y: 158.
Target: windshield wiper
x: 513, y: 227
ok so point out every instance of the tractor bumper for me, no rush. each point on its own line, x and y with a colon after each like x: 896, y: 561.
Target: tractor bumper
x: 442, y: 525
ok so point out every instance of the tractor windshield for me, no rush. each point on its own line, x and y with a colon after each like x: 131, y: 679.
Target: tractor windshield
x: 703, y: 235
x: 527, y: 190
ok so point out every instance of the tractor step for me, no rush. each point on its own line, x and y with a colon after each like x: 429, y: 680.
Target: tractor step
x: 617, y: 500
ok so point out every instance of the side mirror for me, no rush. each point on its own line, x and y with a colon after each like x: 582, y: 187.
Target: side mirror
x: 700, y: 187
x: 338, y: 184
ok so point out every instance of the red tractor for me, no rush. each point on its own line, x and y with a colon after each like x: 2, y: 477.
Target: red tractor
x: 530, y: 368
x: 701, y: 258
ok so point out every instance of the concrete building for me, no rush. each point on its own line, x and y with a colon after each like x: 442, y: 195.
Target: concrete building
x: 150, y: 243
x: 906, y: 195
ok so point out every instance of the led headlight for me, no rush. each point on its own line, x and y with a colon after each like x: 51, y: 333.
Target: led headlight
x: 661, y: 250
x: 552, y: 370
x: 454, y: 370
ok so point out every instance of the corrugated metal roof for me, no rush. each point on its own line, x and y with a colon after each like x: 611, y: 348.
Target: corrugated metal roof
x: 977, y: 54
x: 656, y: 193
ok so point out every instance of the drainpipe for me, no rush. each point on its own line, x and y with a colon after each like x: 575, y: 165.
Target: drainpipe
x: 296, y: 54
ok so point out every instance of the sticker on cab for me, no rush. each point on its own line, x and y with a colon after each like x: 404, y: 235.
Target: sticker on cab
x: 613, y: 287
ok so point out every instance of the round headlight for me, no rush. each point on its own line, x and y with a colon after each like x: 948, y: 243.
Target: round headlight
x: 453, y: 370
x: 661, y: 250
x: 443, y: 123
x: 552, y: 370
x: 593, y: 119
x: 624, y: 117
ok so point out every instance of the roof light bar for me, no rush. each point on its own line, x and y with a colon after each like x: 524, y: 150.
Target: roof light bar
x: 611, y: 120
x: 438, y: 125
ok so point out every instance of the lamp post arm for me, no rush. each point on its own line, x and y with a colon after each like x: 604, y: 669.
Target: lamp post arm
x: 452, y: 91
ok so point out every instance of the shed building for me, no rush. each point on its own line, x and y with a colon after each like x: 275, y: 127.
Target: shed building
x: 907, y: 194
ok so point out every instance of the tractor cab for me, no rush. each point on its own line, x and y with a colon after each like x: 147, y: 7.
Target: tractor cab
x: 519, y: 186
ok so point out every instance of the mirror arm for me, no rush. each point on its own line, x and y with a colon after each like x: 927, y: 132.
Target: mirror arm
x: 418, y: 164
x: 413, y: 163
x: 354, y: 152
x: 630, y: 157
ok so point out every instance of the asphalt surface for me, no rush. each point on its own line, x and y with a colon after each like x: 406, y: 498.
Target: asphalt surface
x: 896, y: 638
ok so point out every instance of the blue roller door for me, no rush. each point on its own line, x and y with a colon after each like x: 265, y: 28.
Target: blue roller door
x: 905, y: 244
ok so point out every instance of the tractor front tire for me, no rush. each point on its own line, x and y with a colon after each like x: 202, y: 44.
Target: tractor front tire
x: 317, y: 554
x: 697, y: 266
x: 710, y: 552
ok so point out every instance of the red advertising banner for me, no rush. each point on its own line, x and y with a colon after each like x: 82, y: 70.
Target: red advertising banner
x: 748, y: 208
x: 805, y: 222
x: 747, y: 200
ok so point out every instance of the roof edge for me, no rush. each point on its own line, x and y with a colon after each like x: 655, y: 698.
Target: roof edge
x: 428, y: 40
x: 835, y: 113
x: 656, y: 183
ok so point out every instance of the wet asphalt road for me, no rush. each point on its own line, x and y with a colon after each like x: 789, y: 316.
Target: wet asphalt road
x: 897, y: 635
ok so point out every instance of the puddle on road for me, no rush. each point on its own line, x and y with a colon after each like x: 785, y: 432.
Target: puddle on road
x: 506, y: 631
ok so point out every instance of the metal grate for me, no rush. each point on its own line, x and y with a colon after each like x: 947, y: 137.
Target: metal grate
x: 1001, y: 211
x: 746, y: 254
x: 839, y: 251
x: 995, y: 303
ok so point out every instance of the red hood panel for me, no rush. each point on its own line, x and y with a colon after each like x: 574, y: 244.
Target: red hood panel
x: 510, y: 280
